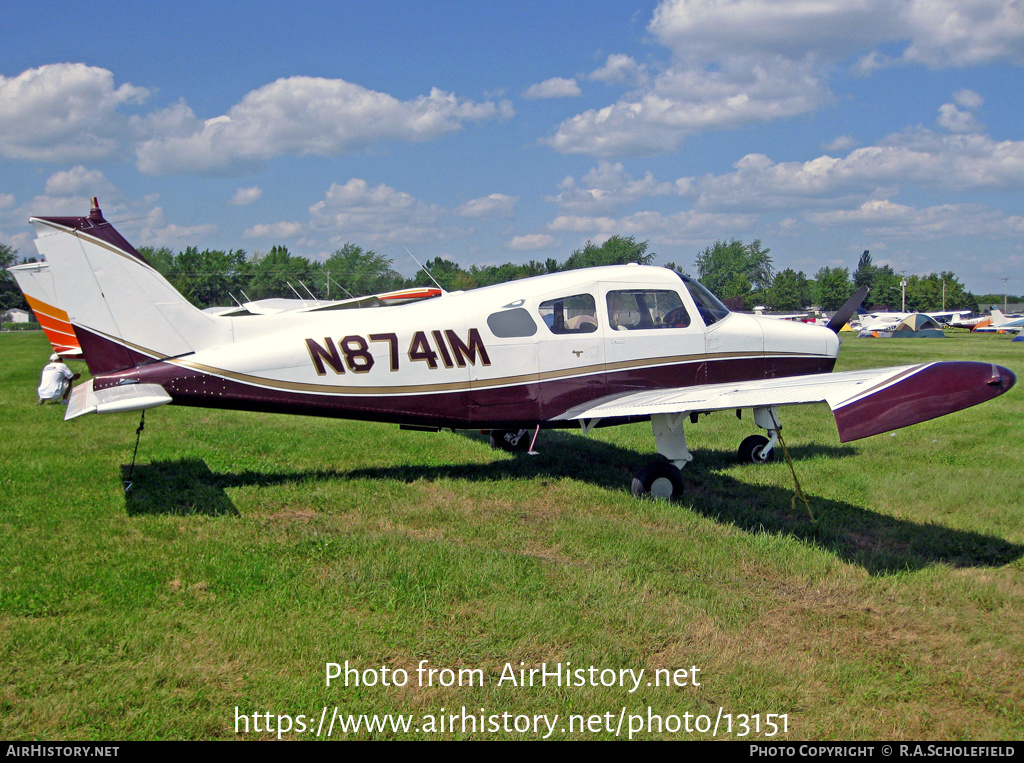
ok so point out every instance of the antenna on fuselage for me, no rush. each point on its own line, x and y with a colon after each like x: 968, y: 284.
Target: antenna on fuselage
x: 311, y: 295
x: 429, y: 275
x: 331, y: 280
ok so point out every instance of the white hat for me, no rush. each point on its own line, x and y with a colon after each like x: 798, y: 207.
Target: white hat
x: 54, y: 358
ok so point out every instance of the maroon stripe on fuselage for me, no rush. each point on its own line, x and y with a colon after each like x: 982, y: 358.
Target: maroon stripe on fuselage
x: 509, y: 406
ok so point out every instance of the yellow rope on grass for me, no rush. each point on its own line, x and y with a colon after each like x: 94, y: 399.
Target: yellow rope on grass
x: 798, y: 493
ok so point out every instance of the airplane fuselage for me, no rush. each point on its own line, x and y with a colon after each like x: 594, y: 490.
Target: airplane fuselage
x: 511, y: 355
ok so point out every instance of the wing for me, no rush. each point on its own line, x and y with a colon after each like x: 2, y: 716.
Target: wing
x: 864, y: 403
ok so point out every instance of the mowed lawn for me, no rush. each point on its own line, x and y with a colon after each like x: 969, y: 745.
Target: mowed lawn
x: 254, y: 549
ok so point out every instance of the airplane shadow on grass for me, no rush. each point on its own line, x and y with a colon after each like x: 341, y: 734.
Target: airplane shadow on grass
x: 879, y: 543
x: 182, y: 487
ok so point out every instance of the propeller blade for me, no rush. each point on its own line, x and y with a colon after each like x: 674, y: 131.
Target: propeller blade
x: 844, y: 313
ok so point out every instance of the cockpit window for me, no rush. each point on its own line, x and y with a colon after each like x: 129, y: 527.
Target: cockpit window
x: 646, y: 309
x: 570, y: 315
x: 709, y: 306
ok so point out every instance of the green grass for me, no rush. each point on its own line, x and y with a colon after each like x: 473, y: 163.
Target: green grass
x: 253, y: 549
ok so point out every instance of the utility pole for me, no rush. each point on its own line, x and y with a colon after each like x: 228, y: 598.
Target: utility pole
x: 903, y: 286
x: 1004, y: 280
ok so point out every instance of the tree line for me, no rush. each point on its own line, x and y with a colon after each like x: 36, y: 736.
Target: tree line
x: 214, y: 277
x: 742, y: 275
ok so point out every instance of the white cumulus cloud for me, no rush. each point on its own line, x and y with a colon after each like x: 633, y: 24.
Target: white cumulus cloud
x: 737, y: 62
x: 496, y: 204
x: 245, y: 196
x: 964, y: 32
x: 156, y: 231
x: 64, y: 112
x: 301, y: 116
x: 556, y: 87
x: 380, y: 214
x: 950, y: 162
x: 681, y: 228
x: 605, y: 188
x: 531, y: 242
x: 279, y: 230
x: 884, y: 218
x: 79, y: 180
x: 620, y: 68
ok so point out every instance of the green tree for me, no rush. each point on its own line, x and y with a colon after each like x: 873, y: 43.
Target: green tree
x: 162, y: 259
x: 834, y: 287
x: 449, y: 275
x: 209, y: 277
x: 864, y: 275
x: 789, y: 291
x: 277, y: 273
x: 617, y: 250
x: 885, y: 293
x: 925, y: 293
x: 739, y: 274
x: 358, y: 271
x: 10, y: 295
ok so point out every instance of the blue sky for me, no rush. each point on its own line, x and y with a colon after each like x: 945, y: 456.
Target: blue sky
x: 494, y: 132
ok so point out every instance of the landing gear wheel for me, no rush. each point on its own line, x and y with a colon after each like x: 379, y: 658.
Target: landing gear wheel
x: 658, y: 479
x: 751, y: 448
x: 517, y: 441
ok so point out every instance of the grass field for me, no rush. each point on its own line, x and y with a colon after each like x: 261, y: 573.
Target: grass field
x: 253, y: 550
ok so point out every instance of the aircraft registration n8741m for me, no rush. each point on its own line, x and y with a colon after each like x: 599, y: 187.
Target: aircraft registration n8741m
x: 589, y: 347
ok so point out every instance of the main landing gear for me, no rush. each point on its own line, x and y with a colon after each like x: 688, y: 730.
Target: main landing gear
x: 758, y: 449
x: 664, y: 479
x: 755, y: 450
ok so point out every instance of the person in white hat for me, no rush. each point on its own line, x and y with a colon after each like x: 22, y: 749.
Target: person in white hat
x: 55, y: 384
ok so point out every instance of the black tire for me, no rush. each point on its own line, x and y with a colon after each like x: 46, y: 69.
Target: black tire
x: 517, y: 441
x: 658, y: 479
x: 750, y: 450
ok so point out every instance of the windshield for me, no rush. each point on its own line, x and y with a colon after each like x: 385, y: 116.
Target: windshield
x: 709, y: 306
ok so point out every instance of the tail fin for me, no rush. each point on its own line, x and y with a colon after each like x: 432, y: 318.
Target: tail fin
x: 123, y: 311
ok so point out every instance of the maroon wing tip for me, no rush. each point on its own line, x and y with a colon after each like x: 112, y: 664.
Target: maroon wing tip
x: 934, y: 391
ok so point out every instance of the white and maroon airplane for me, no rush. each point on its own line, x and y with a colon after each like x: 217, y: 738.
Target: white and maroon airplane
x: 587, y: 348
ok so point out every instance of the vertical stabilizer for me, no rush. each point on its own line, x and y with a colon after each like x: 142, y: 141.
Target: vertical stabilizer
x: 123, y: 311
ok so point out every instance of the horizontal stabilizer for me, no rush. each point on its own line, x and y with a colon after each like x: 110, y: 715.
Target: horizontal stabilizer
x: 126, y: 397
